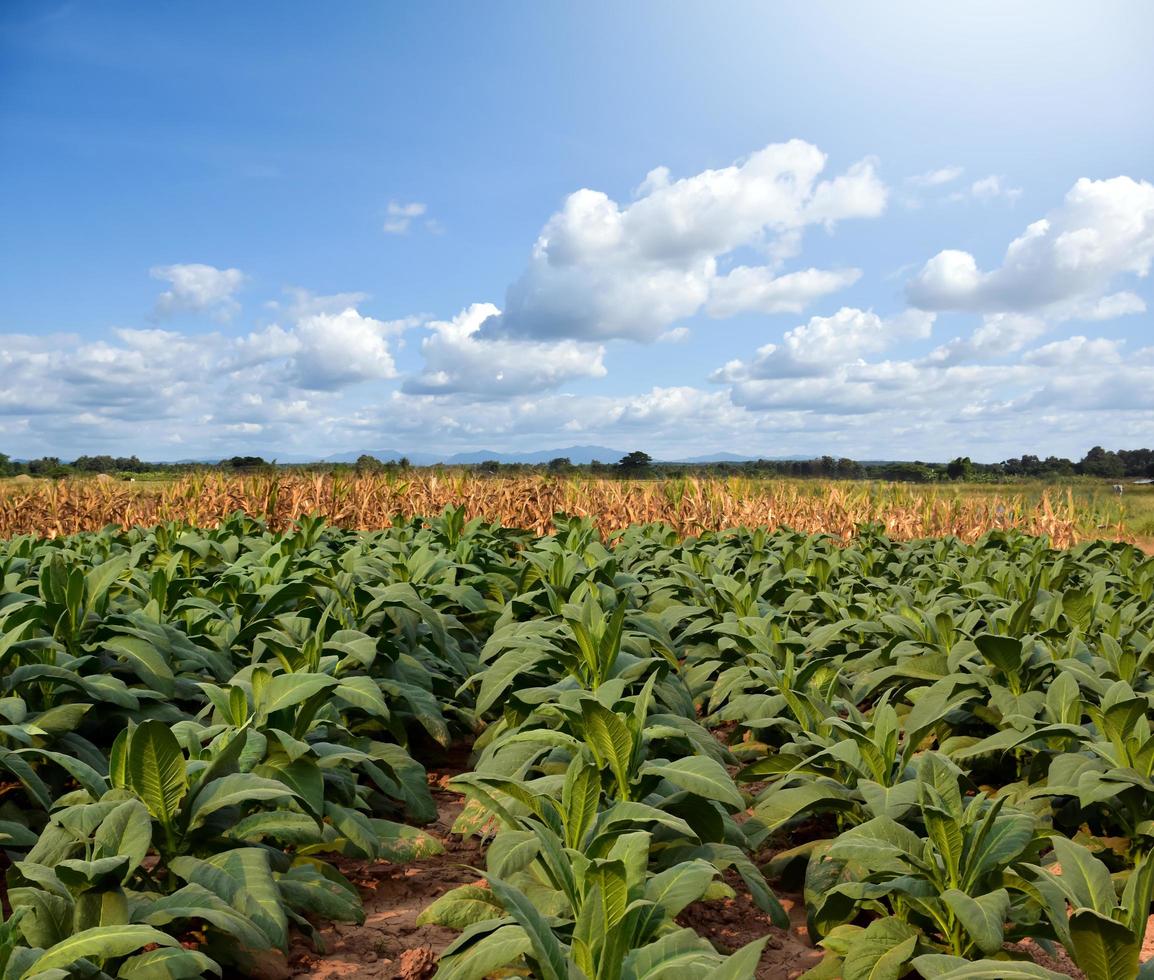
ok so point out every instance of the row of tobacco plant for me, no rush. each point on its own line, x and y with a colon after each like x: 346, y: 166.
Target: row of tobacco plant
x: 945, y: 747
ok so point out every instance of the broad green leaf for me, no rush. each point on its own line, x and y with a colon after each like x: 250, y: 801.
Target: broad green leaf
x: 308, y: 891
x: 471, y: 958
x: 156, y: 770
x: 701, y: 775
x: 1085, y: 877
x: 237, y: 789
x: 169, y: 964
x: 100, y: 943
x: 681, y: 953
x: 984, y: 917
x: 741, y: 965
x: 463, y: 906
x: 672, y: 890
x: 609, y: 738
x: 1103, y: 949
x: 547, y: 949
x: 937, y: 966
x: 288, y: 690
x: 126, y: 831
x: 580, y: 797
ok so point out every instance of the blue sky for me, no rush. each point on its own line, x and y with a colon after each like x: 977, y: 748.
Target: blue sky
x: 900, y: 229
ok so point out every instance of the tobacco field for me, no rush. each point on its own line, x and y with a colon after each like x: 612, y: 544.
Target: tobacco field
x: 937, y: 752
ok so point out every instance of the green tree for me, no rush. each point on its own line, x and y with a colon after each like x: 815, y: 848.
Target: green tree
x: 960, y: 468
x: 1099, y: 462
x: 368, y: 464
x: 635, y: 463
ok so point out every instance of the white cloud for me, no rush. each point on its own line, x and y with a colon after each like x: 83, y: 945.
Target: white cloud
x: 999, y: 334
x: 994, y: 186
x: 400, y: 216
x: 198, y: 288
x: 935, y: 178
x: 339, y: 349
x: 1060, y: 264
x: 600, y: 270
x: 1099, y: 351
x: 302, y: 302
x: 456, y: 360
x: 322, y: 351
x: 757, y: 289
x: 825, y: 343
x: 675, y: 335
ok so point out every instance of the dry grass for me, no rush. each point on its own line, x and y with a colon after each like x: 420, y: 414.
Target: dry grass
x: 689, y: 505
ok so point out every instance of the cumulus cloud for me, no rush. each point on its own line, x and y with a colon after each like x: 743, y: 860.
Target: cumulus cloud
x: 825, y: 343
x: 324, y: 351
x: 196, y: 288
x: 600, y: 269
x: 399, y: 216
x: 998, y: 335
x: 457, y: 360
x: 757, y: 289
x: 146, y: 388
x: 1060, y: 264
x: 935, y: 178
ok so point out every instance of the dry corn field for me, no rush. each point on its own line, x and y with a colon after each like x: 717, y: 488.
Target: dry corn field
x: 689, y: 505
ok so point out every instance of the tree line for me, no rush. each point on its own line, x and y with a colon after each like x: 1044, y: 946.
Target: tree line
x: 1098, y: 462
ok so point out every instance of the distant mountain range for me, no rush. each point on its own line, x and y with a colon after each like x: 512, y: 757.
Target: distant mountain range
x: 578, y: 455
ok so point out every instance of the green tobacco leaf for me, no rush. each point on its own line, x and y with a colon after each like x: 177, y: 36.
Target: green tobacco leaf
x: 580, y: 797
x: 400, y: 843
x: 462, y: 907
x: 127, y: 830
x: 672, y: 890
x: 197, y: 902
x: 1009, y: 836
x: 701, y: 775
x: 882, y: 951
x: 496, y: 680
x: 1004, y: 652
x: 287, y: 690
x: 547, y: 949
x: 610, y: 740
x: 242, y: 878
x: 984, y: 917
x: 286, y: 826
x: 741, y: 965
x: 169, y: 964
x: 472, y: 958
x: 47, y: 918
x: 880, y: 844
x: 156, y: 770
x: 1103, y: 949
x: 1084, y: 877
x: 102, y: 942
x: 146, y: 661
x: 236, y: 789
x: 84, y: 774
x: 938, y: 966
x: 681, y: 953
x: 779, y: 806
x: 310, y: 892
x: 511, y: 851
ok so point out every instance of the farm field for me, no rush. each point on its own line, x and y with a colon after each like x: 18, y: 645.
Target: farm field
x: 452, y: 747
x: 1083, y: 509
